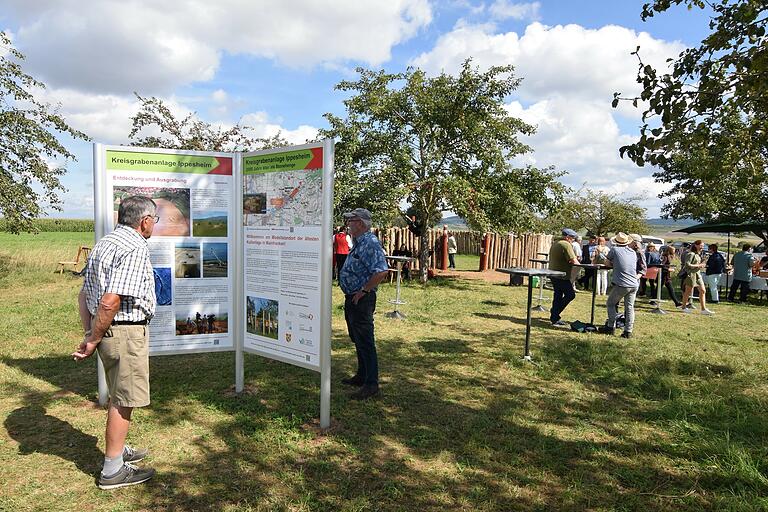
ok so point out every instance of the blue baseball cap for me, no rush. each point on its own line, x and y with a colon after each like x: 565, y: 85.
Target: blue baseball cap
x: 569, y: 232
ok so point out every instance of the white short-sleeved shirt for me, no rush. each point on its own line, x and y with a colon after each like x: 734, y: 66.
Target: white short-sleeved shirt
x: 119, y: 264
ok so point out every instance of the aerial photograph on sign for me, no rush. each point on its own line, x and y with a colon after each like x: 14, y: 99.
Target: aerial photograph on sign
x: 293, y: 198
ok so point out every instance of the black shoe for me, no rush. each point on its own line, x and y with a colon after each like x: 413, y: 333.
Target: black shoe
x: 626, y: 334
x: 128, y: 475
x: 131, y: 454
x: 559, y: 323
x: 356, y: 381
x: 366, y: 392
x: 603, y: 329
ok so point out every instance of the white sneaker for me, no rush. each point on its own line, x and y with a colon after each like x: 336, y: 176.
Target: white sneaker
x: 707, y: 312
x: 684, y: 309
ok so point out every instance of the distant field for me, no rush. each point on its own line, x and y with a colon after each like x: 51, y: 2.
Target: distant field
x: 737, y: 239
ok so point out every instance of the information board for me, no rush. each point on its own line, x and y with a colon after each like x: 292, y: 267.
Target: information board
x: 283, y: 243
x: 241, y: 252
x: 191, y: 244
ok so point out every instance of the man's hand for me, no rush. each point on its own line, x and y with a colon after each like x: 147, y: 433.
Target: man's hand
x: 357, y: 296
x: 84, y: 350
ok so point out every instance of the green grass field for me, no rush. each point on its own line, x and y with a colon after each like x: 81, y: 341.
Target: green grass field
x: 674, y: 419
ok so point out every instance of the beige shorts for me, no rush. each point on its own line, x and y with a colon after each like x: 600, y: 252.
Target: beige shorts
x: 694, y: 280
x: 124, y: 351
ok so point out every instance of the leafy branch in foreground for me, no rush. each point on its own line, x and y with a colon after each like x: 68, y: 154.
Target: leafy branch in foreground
x: 705, y: 123
x: 30, y: 152
x: 190, y: 132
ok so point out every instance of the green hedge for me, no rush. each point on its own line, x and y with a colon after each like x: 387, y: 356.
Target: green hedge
x: 57, y: 225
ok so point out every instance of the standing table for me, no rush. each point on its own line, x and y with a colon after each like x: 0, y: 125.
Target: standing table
x: 544, y: 262
x: 399, y: 260
x: 530, y: 272
x: 596, y: 267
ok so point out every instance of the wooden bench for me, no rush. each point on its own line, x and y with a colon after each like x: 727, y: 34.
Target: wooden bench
x: 82, y: 255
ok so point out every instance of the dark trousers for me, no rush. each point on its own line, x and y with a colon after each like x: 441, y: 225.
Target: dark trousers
x: 563, y: 294
x: 340, y: 259
x: 649, y: 285
x: 451, y: 260
x: 359, y: 319
x: 744, y: 290
x: 665, y: 278
x: 588, y: 274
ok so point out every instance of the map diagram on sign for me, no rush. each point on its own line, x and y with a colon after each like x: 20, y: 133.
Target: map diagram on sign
x: 287, y: 198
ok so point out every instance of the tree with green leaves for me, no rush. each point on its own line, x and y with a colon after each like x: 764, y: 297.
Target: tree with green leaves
x: 190, y: 132
x: 600, y: 214
x: 31, y: 155
x: 705, y: 123
x: 438, y: 144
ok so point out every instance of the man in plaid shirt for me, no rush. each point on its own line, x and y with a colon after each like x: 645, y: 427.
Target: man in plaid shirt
x: 116, y: 303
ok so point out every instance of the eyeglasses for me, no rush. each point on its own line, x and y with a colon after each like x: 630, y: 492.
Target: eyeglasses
x: 156, y: 218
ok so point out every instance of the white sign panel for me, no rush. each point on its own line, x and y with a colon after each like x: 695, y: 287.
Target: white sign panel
x: 284, y: 239
x: 191, y: 245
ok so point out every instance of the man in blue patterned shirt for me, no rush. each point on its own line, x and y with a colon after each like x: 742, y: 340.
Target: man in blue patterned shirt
x: 363, y: 270
x: 116, y: 303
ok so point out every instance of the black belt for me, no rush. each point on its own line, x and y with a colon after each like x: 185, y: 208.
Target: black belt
x: 126, y: 322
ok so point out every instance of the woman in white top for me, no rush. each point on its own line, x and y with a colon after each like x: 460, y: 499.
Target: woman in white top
x: 600, y: 257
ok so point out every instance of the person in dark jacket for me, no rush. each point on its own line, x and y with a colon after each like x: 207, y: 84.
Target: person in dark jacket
x: 652, y: 257
x: 715, y: 270
x: 587, y: 251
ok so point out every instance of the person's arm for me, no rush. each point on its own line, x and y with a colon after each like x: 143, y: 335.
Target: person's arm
x: 571, y: 254
x: 85, y: 314
x: 108, y: 307
x: 372, y: 283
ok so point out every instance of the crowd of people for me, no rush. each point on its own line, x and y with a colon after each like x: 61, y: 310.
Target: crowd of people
x: 635, y: 269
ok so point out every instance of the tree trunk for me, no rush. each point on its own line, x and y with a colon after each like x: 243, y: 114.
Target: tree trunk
x: 424, y: 257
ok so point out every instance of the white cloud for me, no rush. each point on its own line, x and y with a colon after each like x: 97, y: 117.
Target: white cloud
x: 503, y: 9
x: 583, y: 138
x: 566, y: 60
x: 569, y: 76
x: 107, y: 118
x: 111, y: 46
x: 263, y: 126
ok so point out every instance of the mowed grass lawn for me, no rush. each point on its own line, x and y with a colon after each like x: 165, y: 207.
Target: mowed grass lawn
x: 674, y: 419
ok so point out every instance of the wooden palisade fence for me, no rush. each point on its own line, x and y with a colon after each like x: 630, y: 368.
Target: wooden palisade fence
x: 504, y: 250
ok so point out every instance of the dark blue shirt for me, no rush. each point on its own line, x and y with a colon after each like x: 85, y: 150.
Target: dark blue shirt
x: 652, y: 258
x: 364, y: 260
x: 715, y: 264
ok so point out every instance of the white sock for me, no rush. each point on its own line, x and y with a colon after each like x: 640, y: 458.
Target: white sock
x: 112, y: 465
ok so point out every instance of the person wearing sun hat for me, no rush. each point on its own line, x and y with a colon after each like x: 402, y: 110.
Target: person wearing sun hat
x: 562, y: 258
x: 625, y: 282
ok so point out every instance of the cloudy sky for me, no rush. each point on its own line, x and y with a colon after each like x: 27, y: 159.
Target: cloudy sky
x: 272, y: 64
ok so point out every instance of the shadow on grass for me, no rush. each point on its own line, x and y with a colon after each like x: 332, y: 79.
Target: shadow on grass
x: 38, y: 432
x: 437, y: 438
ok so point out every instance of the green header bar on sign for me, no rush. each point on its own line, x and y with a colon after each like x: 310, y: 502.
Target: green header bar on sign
x: 161, y: 162
x: 277, y: 162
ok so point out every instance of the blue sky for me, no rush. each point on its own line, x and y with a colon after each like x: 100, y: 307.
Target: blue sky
x: 272, y: 65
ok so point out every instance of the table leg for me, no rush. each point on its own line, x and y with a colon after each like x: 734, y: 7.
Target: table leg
x: 396, y: 313
x: 594, y: 294
x: 540, y: 307
x: 658, y: 310
x: 527, y: 355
